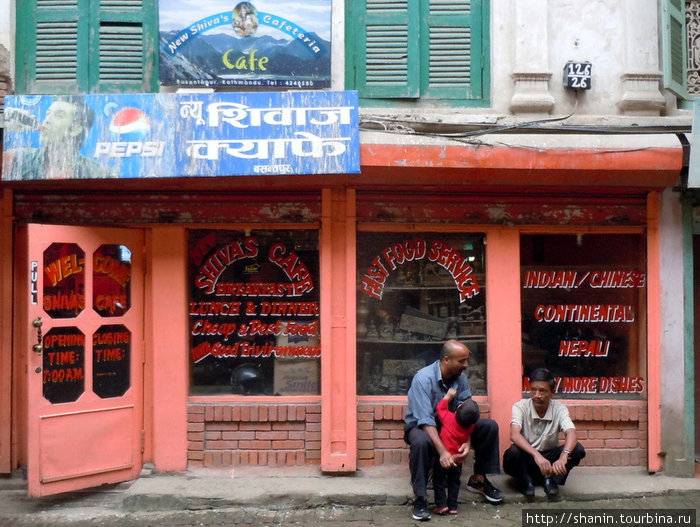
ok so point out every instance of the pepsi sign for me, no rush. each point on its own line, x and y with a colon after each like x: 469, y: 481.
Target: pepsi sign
x: 172, y: 135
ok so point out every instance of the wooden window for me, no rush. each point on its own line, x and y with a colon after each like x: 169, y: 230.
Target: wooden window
x: 413, y: 49
x: 82, y: 46
x: 674, y: 47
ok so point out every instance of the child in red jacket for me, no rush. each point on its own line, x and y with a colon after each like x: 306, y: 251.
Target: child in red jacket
x: 455, y: 430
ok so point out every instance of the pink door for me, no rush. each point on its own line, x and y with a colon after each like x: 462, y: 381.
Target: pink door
x: 84, y: 340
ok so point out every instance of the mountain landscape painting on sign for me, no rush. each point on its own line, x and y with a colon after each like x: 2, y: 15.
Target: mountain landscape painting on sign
x: 264, y: 43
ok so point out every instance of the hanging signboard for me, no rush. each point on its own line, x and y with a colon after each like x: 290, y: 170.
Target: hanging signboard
x: 266, y: 43
x: 171, y: 135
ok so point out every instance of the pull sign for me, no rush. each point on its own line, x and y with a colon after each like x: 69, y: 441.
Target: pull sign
x: 34, y: 283
x: 577, y: 75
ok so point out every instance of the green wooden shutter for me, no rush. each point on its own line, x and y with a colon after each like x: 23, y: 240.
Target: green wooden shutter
x: 52, y: 44
x: 674, y: 47
x: 451, y: 49
x: 81, y: 46
x: 124, y: 46
x: 387, y: 52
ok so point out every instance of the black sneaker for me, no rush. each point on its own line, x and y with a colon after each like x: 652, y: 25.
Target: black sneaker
x: 420, y: 510
x: 484, y: 487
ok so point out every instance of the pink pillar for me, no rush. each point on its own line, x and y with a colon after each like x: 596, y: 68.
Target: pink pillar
x: 503, y: 318
x: 654, y: 331
x: 338, y: 382
x: 166, y: 347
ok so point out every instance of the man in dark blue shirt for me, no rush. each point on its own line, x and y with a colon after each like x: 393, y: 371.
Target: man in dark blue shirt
x: 429, y: 385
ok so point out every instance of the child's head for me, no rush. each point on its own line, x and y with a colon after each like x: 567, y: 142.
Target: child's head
x: 467, y: 413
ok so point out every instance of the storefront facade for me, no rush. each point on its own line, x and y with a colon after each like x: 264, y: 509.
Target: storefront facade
x: 283, y: 317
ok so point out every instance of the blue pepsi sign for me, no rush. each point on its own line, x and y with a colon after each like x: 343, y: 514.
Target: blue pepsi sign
x: 173, y: 135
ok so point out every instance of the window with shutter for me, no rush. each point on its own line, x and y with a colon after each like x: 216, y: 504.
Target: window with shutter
x: 81, y: 46
x: 418, y: 49
x: 674, y: 47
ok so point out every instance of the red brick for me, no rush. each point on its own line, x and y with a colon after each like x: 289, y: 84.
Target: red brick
x: 593, y: 443
x: 298, y: 434
x: 365, y: 417
x: 313, y: 427
x: 213, y: 436
x: 313, y: 408
x: 365, y: 445
x: 365, y: 434
x: 254, y: 413
x: 282, y: 413
x: 209, y: 414
x: 272, y: 412
x: 255, y: 445
x: 621, y: 443
x: 195, y: 409
x: 236, y: 413
x: 238, y: 435
x: 301, y: 459
x: 222, y: 445
x: 253, y: 458
x: 388, y: 443
x: 263, y: 458
x: 245, y: 413
x: 195, y: 446
x: 301, y: 414
x: 222, y: 426
x: 218, y: 413
x: 263, y: 413
x: 195, y: 427
x: 226, y: 414
x: 311, y: 436
x: 195, y: 455
x: 605, y: 434
x: 313, y: 446
x: 287, y: 445
x: 272, y: 435
x: 312, y: 418
x: 288, y: 426
x: 615, y: 415
x: 597, y: 413
x: 254, y: 426
x: 195, y: 436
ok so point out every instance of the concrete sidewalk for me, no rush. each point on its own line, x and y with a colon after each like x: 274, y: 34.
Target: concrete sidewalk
x: 306, y: 487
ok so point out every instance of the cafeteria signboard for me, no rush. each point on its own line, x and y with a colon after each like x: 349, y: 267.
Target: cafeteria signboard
x: 172, y: 135
x: 261, y: 44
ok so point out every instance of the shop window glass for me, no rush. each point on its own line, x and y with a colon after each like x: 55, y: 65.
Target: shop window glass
x: 584, y: 312
x: 63, y: 367
x: 254, y: 316
x: 111, y: 280
x: 111, y: 361
x: 414, y: 291
x: 64, y: 280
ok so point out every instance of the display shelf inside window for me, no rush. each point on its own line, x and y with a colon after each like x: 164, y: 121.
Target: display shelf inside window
x: 419, y: 309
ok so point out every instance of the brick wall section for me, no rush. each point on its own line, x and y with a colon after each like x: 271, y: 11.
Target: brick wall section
x: 227, y: 434
x: 613, y: 434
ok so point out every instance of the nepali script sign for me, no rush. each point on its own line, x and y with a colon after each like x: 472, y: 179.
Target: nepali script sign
x: 171, y: 135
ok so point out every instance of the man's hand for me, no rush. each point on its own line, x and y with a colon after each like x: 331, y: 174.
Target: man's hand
x: 543, y: 464
x: 559, y: 466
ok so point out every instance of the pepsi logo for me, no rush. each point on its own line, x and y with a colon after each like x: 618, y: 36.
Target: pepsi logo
x: 129, y: 124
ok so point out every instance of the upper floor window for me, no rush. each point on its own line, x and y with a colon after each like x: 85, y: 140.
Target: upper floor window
x: 81, y: 46
x: 418, y: 50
